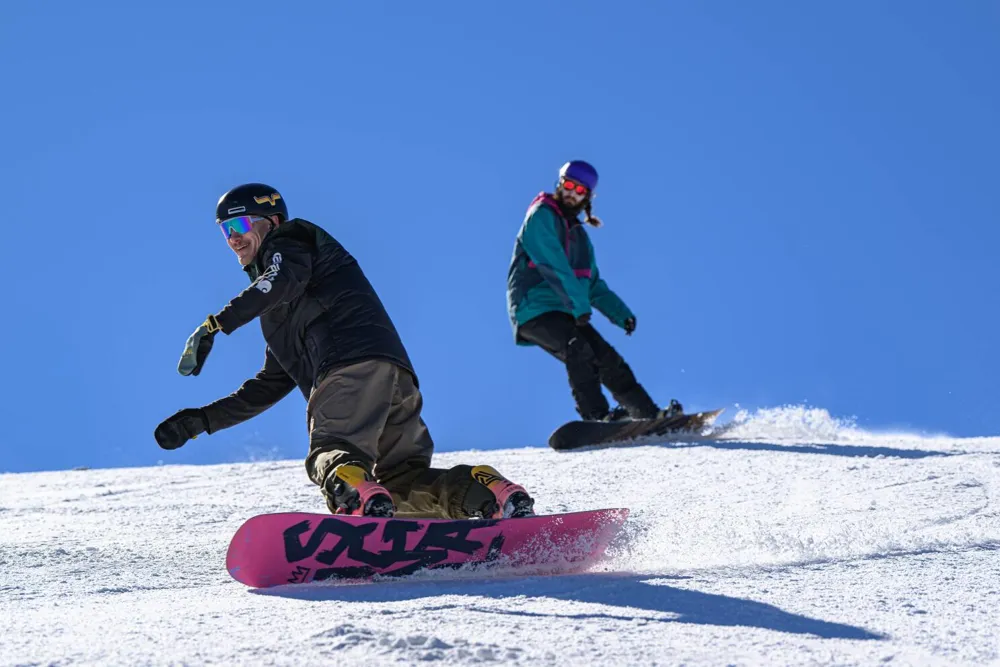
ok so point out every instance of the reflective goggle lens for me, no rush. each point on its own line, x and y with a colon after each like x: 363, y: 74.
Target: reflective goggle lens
x: 242, y: 224
x: 573, y: 185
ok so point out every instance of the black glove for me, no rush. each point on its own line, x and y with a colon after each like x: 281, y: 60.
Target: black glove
x: 198, y: 345
x: 629, y: 326
x: 583, y: 319
x: 186, y: 425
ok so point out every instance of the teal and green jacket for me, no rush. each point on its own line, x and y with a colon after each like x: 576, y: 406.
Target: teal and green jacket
x: 553, y: 268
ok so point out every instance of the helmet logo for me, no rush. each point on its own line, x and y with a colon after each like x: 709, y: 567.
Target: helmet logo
x: 270, y: 199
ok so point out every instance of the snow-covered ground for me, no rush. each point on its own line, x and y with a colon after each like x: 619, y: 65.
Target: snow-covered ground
x: 800, y: 541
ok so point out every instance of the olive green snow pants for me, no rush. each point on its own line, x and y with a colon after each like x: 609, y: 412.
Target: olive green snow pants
x: 369, y: 413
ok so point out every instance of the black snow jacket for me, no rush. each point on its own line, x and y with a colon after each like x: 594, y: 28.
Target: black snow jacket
x: 317, y: 311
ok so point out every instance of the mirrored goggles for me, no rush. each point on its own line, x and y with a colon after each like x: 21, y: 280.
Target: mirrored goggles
x: 242, y: 225
x: 570, y: 185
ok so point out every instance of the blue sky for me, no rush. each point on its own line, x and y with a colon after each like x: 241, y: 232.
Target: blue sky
x: 800, y: 203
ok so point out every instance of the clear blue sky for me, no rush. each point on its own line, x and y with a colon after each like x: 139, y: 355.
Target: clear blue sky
x: 801, y: 203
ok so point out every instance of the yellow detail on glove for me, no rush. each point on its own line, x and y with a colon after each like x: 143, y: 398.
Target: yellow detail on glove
x: 212, y: 324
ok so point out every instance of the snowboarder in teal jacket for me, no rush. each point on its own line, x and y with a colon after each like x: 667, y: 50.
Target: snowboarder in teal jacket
x: 552, y: 285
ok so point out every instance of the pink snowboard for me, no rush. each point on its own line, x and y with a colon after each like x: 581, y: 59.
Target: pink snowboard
x: 296, y: 547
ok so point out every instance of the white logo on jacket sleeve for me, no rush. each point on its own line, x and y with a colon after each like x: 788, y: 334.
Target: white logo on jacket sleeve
x: 270, y: 273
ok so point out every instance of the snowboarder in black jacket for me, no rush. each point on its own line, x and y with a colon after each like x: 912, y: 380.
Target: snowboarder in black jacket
x: 328, y: 334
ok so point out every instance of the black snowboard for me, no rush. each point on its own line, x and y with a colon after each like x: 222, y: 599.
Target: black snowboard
x: 578, y: 433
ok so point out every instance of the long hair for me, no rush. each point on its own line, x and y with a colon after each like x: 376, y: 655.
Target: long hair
x: 591, y: 219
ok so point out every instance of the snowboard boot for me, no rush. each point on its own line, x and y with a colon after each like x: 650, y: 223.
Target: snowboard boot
x: 675, y: 409
x: 513, y: 502
x: 349, y: 489
x: 638, y: 403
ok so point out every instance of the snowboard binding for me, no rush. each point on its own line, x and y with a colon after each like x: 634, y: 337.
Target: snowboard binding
x: 350, y: 490
x: 513, y: 501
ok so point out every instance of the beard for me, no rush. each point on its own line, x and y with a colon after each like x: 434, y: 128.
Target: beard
x: 569, y: 210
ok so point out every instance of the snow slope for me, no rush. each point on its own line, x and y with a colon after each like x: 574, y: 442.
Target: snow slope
x: 800, y: 541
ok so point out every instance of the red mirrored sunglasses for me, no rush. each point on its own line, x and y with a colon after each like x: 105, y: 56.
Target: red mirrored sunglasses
x: 573, y: 185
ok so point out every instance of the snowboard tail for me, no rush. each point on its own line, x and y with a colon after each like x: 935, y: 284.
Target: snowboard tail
x: 297, y: 547
x: 575, y: 434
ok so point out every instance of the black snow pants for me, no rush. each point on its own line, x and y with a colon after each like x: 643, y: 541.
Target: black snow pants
x: 590, y: 362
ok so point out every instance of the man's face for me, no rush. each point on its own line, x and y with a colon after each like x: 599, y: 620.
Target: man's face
x: 244, y: 235
x: 571, y: 192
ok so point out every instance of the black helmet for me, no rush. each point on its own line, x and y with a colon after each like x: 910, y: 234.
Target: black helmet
x: 251, y: 199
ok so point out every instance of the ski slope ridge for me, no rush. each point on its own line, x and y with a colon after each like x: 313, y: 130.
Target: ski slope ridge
x: 799, y: 539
